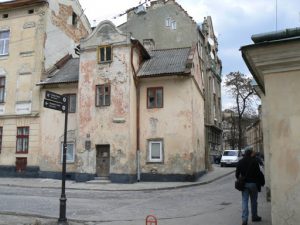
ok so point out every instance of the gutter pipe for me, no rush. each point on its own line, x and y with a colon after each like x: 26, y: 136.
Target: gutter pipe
x: 276, y: 35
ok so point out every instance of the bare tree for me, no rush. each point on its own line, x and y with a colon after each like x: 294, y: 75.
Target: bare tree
x: 240, y: 88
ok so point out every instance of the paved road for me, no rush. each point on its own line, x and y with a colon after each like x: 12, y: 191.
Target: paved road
x: 216, y: 203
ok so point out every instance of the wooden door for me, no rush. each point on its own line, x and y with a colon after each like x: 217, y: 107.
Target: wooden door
x: 21, y: 164
x: 102, y: 160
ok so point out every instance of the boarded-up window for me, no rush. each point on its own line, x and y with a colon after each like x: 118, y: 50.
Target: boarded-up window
x: 71, y: 102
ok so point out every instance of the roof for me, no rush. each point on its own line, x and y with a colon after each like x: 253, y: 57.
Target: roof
x: 166, y: 62
x: 264, y: 40
x: 7, y: 4
x: 69, y: 73
x: 276, y: 35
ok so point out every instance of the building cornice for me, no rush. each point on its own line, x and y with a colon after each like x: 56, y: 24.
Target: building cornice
x: 20, y: 3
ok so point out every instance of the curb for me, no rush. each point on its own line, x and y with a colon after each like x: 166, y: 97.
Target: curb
x: 145, y: 189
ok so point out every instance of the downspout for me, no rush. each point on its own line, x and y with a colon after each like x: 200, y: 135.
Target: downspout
x: 137, y: 116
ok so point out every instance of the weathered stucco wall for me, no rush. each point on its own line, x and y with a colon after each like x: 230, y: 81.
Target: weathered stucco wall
x: 52, y: 126
x: 152, y: 25
x: 63, y: 36
x: 173, y: 123
x: 8, y: 152
x: 113, y: 124
x: 282, y: 91
x: 21, y: 101
x: 198, y: 136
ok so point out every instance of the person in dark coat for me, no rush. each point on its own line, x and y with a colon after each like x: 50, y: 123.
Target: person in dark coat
x: 248, y: 167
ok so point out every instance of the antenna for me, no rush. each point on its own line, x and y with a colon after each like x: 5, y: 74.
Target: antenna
x: 276, y: 16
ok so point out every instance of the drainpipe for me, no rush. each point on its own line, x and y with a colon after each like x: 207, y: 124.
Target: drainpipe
x: 137, y: 115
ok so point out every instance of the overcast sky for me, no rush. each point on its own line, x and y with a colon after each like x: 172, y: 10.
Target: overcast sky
x: 234, y: 22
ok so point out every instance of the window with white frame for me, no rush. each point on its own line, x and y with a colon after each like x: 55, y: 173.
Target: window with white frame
x: 168, y: 22
x: 70, y: 154
x: 4, y: 42
x: 155, y: 151
x: 173, y: 25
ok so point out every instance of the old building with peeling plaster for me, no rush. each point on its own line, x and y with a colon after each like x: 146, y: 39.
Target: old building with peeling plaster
x: 273, y: 60
x: 164, y: 25
x: 142, y: 112
x: 137, y: 111
x: 35, y: 37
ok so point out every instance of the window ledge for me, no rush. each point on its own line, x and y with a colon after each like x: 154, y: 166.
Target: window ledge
x: 152, y: 162
x: 105, y: 62
x: 3, y: 57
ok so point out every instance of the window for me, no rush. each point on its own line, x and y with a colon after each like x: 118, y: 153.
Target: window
x: 1, y: 133
x: 2, y: 89
x: 71, y: 102
x: 155, y: 97
x: 30, y: 11
x: 155, y: 151
x: 5, y: 16
x: 22, y: 139
x: 104, y: 54
x: 70, y: 154
x: 4, y: 42
x: 103, y: 95
x: 168, y: 22
x: 74, y: 19
x: 173, y: 25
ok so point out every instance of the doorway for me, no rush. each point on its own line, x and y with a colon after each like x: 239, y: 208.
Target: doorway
x: 102, y: 160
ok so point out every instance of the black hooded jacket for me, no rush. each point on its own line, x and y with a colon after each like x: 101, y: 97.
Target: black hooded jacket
x: 251, y: 165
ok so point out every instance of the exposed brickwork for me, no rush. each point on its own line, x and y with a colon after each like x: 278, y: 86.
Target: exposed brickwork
x: 61, y: 20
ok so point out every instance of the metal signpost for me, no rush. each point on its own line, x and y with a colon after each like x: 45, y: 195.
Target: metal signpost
x: 60, y: 103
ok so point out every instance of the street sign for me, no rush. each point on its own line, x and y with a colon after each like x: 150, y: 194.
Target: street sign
x: 54, y: 105
x: 60, y: 102
x: 56, y: 97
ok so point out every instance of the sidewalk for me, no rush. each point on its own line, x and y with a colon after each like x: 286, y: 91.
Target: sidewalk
x: 215, y: 174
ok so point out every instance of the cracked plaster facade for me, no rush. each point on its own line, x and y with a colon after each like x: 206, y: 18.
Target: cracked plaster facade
x: 40, y: 34
x: 275, y: 66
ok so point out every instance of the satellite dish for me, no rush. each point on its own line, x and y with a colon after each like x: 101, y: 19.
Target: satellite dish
x: 211, y: 41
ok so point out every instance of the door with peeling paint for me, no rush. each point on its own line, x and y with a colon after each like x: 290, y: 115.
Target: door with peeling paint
x: 102, y: 160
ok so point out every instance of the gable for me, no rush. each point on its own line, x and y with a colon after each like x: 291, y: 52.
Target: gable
x: 105, y: 33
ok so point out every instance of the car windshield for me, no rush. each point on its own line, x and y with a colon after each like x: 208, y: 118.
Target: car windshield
x: 230, y: 153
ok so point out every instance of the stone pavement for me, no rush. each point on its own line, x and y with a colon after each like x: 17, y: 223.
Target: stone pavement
x: 7, y: 218
x: 216, y: 173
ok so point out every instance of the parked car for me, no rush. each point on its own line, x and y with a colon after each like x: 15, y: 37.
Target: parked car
x: 230, y: 157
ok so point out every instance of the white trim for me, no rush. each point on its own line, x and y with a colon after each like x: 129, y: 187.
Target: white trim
x: 160, y: 159
x: 173, y: 25
x: 5, y: 42
x: 61, y: 152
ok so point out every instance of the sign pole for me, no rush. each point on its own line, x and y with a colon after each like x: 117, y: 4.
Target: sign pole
x: 63, y: 198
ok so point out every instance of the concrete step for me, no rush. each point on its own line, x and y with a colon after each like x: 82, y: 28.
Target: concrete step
x: 99, y: 180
